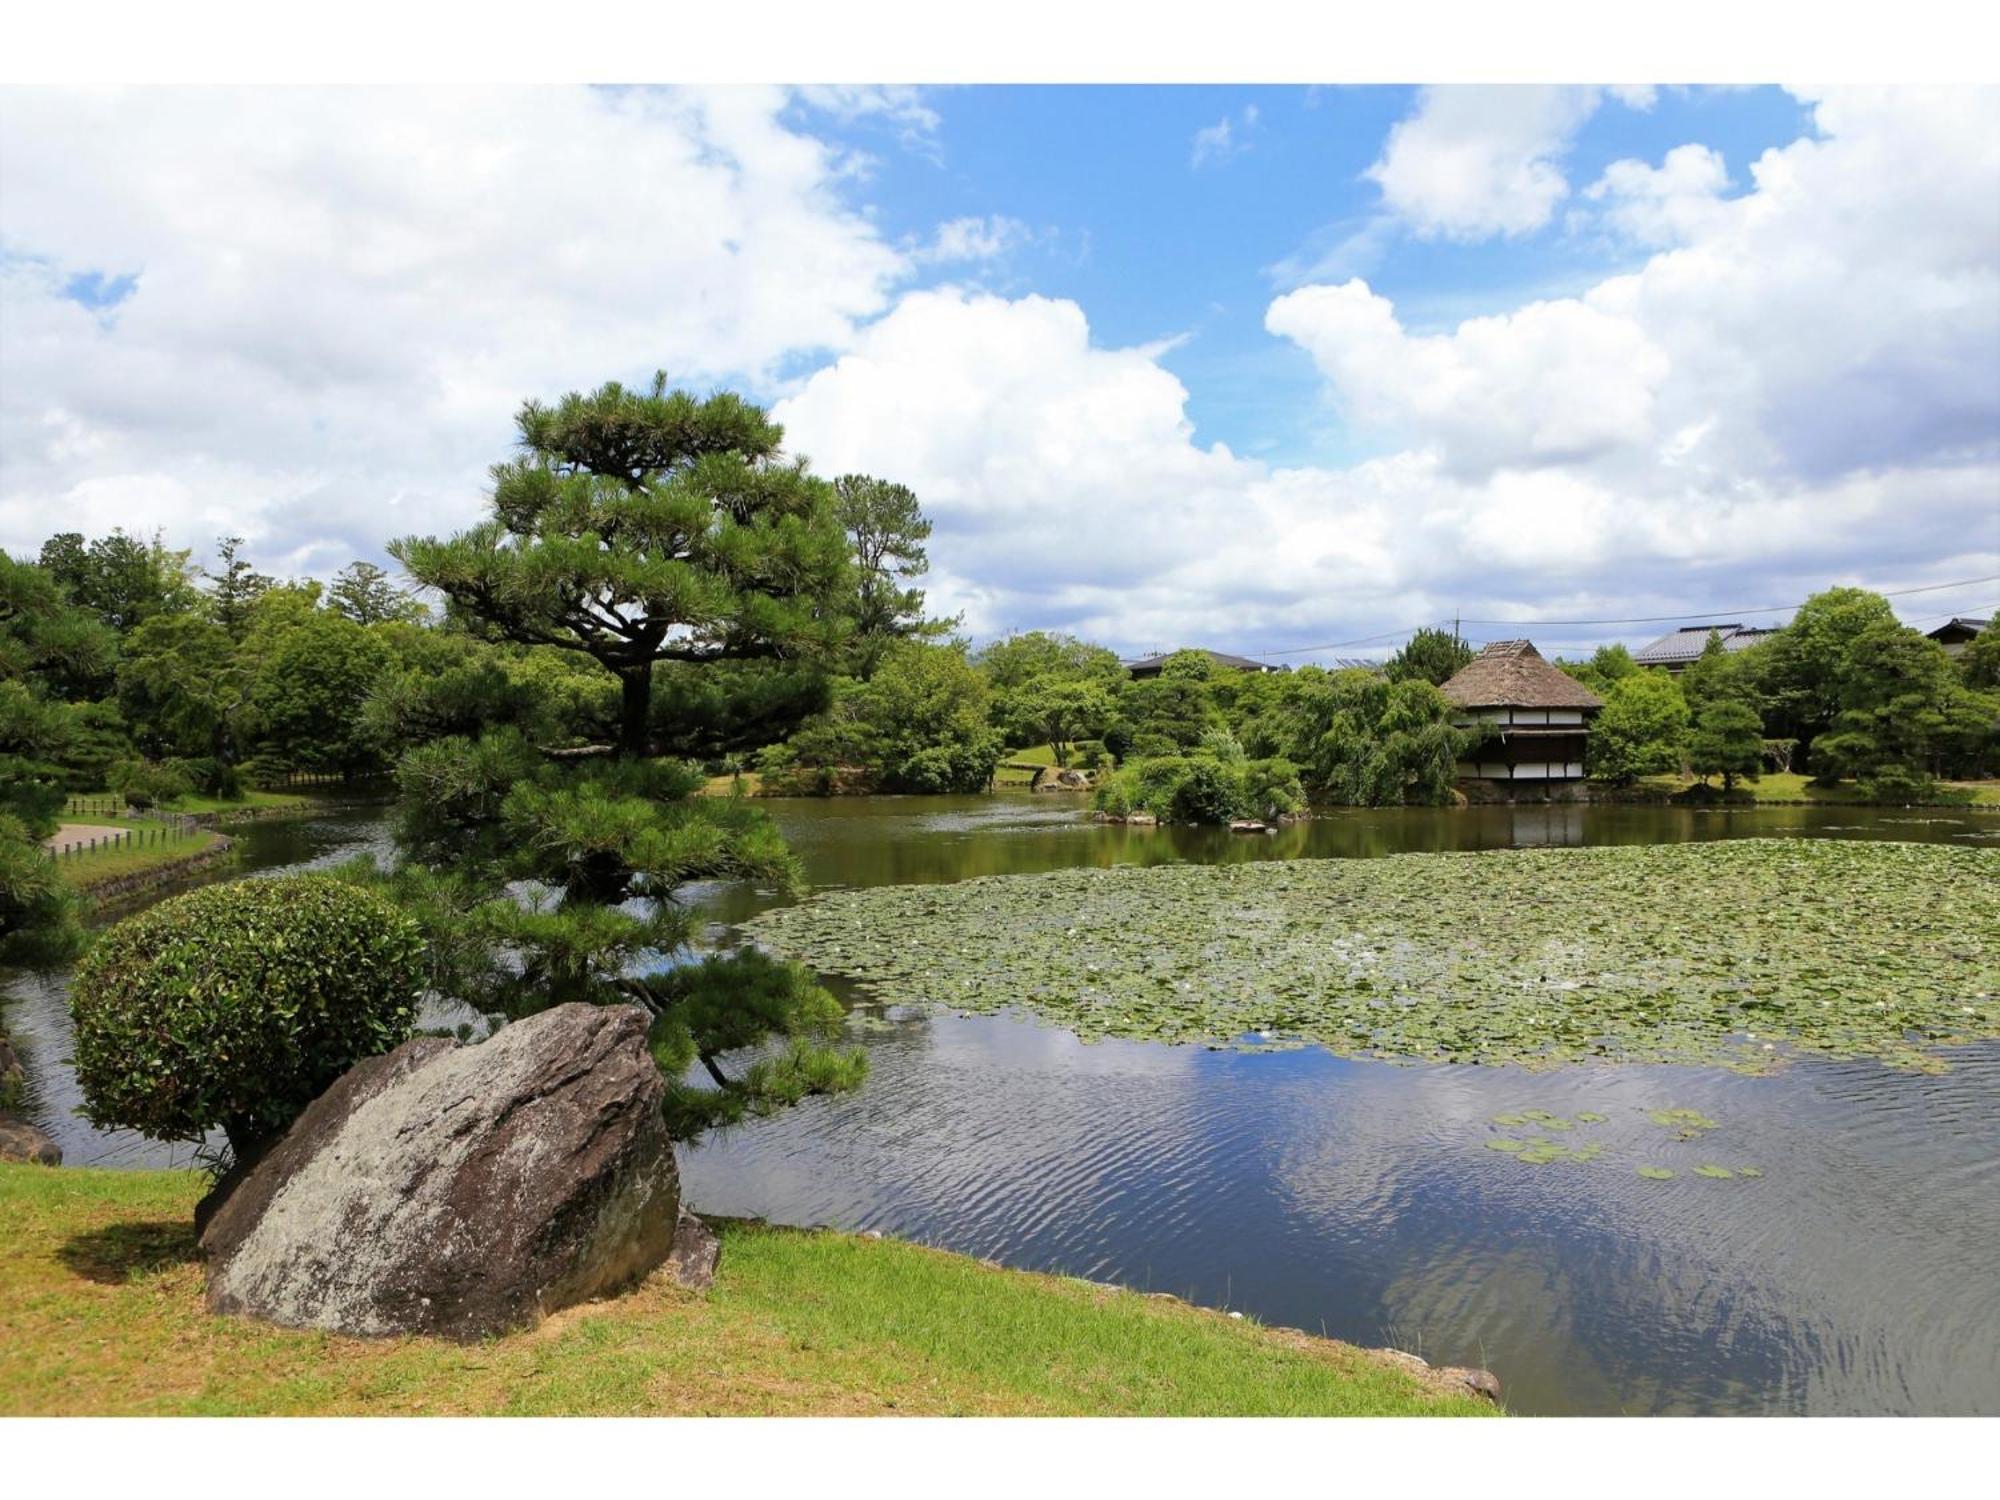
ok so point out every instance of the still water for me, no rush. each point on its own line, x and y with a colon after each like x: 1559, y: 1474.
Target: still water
x: 1857, y: 1275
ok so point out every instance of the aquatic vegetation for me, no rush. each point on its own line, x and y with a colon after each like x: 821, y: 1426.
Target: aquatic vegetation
x: 1739, y: 953
x: 1749, y: 1171
x: 1505, y: 1144
x: 1686, y: 1124
x: 1710, y: 1169
x: 1658, y: 1174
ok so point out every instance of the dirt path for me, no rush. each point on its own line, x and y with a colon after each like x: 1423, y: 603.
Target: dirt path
x: 69, y: 835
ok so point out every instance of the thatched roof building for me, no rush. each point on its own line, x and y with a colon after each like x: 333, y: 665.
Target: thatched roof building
x: 1536, y: 716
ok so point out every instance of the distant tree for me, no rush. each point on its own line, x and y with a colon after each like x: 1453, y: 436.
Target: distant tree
x: 34, y: 736
x: 1716, y: 675
x: 1021, y: 658
x: 646, y: 527
x: 1607, y: 666
x: 920, y: 724
x: 1979, y: 662
x: 1642, y: 730
x: 1177, y: 707
x: 1360, y: 739
x: 1188, y: 665
x: 118, y: 578
x: 1055, y: 710
x: 234, y: 587
x: 1797, y: 672
x: 1728, y: 741
x: 183, y: 688
x: 1433, y: 656
x: 886, y: 531
x: 307, y: 697
x: 1901, y: 705
x: 365, y: 594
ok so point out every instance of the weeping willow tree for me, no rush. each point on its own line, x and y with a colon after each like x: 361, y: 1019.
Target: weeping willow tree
x: 646, y: 530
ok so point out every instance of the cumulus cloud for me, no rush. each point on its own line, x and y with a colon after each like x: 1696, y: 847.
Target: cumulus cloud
x: 339, y: 296
x: 1671, y: 204
x: 1478, y: 161
x: 1227, y: 137
x: 337, y: 299
x: 1802, y: 387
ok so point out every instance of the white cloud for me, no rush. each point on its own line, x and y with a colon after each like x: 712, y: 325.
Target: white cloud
x: 975, y: 239
x: 1478, y: 161
x: 342, y: 295
x: 1803, y: 388
x: 1671, y: 204
x: 1227, y: 137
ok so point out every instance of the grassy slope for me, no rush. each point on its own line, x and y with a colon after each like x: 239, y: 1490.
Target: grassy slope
x: 100, y: 1312
x: 1792, y: 787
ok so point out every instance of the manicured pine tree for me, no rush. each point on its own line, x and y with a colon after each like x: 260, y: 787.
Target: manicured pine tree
x: 635, y: 528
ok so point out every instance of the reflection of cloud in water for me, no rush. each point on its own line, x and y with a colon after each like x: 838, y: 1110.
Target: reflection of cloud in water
x: 1834, y: 1283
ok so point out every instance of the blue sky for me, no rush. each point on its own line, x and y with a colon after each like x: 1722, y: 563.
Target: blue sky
x: 1245, y: 366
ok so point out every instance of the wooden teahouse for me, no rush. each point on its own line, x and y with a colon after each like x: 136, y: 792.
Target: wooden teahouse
x: 1538, y: 717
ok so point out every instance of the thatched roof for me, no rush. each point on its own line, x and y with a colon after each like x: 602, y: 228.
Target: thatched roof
x: 1512, y: 674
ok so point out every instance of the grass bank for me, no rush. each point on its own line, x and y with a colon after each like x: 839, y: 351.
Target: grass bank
x: 156, y: 845
x: 100, y: 1312
x: 1790, y: 786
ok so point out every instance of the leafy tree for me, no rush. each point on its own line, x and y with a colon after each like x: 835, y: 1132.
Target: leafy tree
x: 886, y: 531
x: 1057, y: 710
x: 1188, y: 665
x: 1728, y: 741
x: 1019, y: 659
x: 309, y: 691
x: 635, y: 529
x: 1798, y: 671
x: 1608, y: 666
x: 921, y: 724
x: 235, y: 587
x: 1433, y: 656
x: 365, y: 594
x: 1979, y: 662
x: 1176, y: 708
x: 1718, y: 674
x: 1900, y: 706
x: 1642, y: 730
x: 1360, y: 739
x: 647, y: 527
x: 183, y: 688
x: 118, y: 578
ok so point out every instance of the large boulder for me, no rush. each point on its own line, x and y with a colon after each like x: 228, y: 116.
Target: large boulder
x: 458, y: 1190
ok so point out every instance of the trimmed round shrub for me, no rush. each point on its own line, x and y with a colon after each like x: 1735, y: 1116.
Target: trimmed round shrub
x: 234, y: 1006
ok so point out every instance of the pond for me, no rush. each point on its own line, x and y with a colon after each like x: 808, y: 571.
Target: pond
x: 1854, y: 1275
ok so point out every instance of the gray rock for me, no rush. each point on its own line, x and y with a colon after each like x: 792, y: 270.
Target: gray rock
x: 458, y: 1191
x: 696, y: 1250
x: 22, y: 1142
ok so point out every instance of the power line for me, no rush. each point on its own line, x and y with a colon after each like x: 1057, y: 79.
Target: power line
x: 1761, y: 609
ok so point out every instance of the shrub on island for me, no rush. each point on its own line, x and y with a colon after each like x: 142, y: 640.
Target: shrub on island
x: 233, y: 1007
x: 1201, y: 788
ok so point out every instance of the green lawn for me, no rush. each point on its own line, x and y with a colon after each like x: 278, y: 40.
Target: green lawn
x: 1793, y: 787
x: 102, y: 1313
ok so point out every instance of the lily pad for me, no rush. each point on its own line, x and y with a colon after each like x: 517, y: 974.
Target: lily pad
x: 1529, y: 957
x: 1710, y: 1169
x: 1658, y: 1174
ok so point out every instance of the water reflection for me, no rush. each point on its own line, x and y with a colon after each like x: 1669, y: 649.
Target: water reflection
x: 1358, y: 1198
